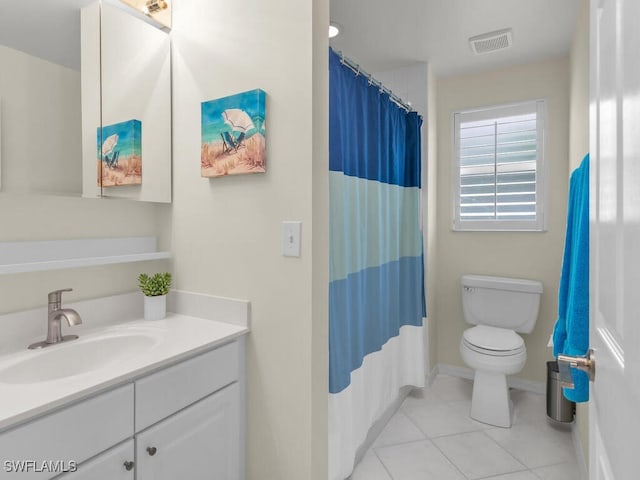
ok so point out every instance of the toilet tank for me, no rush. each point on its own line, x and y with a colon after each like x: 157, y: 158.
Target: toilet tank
x: 511, y: 303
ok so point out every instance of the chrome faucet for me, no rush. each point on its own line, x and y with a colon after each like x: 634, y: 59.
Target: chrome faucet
x: 54, y: 321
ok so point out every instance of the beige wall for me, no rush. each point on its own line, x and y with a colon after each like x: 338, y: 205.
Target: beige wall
x: 579, y: 145
x: 511, y: 254
x: 320, y: 242
x: 41, y: 139
x: 226, y: 232
x: 579, y: 120
x: 33, y: 217
x: 431, y: 251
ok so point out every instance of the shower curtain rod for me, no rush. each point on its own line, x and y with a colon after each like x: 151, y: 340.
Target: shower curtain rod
x: 353, y: 66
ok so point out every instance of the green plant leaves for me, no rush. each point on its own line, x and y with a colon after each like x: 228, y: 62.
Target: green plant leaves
x: 155, y: 285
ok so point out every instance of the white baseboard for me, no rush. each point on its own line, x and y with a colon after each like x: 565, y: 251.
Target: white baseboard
x: 455, y: 371
x: 431, y: 376
x: 513, y: 382
x: 527, y: 385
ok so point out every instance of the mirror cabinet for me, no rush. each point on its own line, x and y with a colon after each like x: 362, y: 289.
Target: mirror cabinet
x: 85, y: 101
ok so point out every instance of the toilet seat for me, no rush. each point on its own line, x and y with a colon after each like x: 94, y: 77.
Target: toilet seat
x: 493, y: 341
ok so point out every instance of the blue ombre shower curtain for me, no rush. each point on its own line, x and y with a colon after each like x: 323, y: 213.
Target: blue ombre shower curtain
x: 376, y: 294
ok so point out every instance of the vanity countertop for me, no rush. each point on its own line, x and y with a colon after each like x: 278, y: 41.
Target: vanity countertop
x: 168, y: 341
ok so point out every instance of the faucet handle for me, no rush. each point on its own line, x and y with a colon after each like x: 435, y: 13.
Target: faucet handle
x: 56, y: 295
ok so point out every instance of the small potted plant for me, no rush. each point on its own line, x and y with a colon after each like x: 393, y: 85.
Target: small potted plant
x: 155, y: 289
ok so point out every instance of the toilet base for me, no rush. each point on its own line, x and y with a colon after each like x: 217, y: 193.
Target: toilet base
x: 491, y: 403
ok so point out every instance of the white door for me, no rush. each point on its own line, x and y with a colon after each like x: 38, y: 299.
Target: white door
x: 202, y: 442
x: 614, y: 410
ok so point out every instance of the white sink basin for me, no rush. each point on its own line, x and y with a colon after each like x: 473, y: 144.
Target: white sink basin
x: 76, y: 357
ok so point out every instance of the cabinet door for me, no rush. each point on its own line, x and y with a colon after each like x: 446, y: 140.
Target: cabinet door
x: 109, y: 465
x: 76, y: 433
x: 201, y: 442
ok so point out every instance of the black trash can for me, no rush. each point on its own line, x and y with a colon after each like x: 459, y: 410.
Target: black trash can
x: 558, y: 407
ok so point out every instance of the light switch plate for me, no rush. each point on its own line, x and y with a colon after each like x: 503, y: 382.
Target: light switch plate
x: 291, y: 238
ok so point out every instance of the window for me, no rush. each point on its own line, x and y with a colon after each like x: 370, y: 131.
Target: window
x: 498, y: 169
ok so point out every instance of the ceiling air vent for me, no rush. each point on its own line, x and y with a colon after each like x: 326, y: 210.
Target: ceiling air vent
x: 492, y: 41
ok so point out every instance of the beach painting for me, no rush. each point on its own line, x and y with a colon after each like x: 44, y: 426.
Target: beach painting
x: 233, y: 135
x: 120, y: 154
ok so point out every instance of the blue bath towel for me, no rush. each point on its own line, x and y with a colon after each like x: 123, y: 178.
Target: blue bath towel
x: 571, y: 333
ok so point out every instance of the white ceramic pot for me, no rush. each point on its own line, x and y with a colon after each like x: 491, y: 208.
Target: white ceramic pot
x: 155, y: 308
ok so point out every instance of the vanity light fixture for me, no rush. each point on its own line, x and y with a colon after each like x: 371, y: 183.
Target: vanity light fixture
x: 154, y: 6
x: 158, y: 10
x: 334, y: 30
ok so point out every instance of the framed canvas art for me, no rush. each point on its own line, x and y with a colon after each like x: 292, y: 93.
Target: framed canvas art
x: 120, y: 154
x: 234, y: 135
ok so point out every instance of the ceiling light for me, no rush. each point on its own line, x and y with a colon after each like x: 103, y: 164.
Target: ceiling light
x: 334, y: 30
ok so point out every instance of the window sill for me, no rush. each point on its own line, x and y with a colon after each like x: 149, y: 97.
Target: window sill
x: 497, y: 229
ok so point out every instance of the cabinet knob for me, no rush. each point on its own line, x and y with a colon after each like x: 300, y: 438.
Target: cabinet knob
x: 129, y: 465
x: 152, y: 451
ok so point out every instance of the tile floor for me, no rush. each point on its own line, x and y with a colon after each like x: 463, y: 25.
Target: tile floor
x: 432, y: 437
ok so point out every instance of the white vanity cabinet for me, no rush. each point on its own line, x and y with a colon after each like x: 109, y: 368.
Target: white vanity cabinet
x: 198, y: 443
x: 202, y: 441
x: 188, y: 423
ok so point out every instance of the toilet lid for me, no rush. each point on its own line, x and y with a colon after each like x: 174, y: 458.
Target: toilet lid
x: 493, y: 338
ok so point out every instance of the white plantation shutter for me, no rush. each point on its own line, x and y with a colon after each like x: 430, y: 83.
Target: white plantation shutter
x: 498, y: 175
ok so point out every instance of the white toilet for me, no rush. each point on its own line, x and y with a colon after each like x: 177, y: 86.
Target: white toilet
x: 499, y: 307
